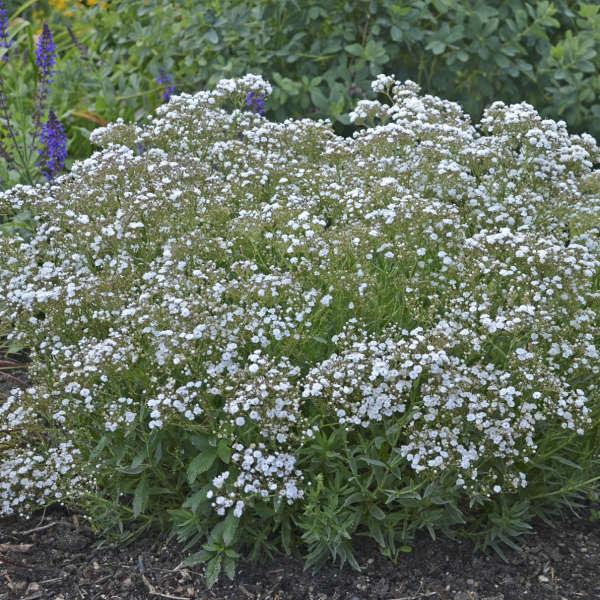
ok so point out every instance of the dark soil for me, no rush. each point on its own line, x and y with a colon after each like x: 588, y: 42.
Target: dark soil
x: 53, y: 556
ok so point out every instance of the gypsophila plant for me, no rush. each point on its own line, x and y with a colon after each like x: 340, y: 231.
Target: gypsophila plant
x: 261, y: 337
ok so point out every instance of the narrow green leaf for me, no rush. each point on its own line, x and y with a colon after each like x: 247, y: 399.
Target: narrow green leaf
x: 229, y: 567
x: 201, y: 463
x: 140, y: 496
x: 376, y: 512
x: 197, y: 558
x: 213, y: 568
x: 224, y: 451
x: 231, y: 524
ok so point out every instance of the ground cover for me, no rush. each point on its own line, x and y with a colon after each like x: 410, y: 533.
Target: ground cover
x: 260, y: 336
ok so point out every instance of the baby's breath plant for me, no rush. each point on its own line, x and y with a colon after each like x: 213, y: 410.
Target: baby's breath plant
x: 262, y: 337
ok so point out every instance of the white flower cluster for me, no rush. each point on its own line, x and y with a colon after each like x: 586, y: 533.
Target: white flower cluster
x: 261, y: 475
x: 217, y: 271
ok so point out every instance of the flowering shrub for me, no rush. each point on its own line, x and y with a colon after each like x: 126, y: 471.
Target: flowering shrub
x: 231, y: 319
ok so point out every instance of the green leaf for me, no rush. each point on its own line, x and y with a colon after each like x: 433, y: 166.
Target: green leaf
x: 224, y: 451
x: 231, y: 524
x: 229, y: 567
x: 436, y: 46
x: 137, y: 465
x: 99, y: 447
x: 213, y: 568
x: 396, y: 33
x: 376, y: 512
x: 201, y: 442
x: 354, y: 498
x: 197, y: 558
x: 201, y: 463
x: 140, y: 496
x: 373, y: 461
x: 355, y: 50
x: 375, y: 531
x: 212, y: 36
x: 319, y: 99
x: 263, y: 510
x: 193, y: 502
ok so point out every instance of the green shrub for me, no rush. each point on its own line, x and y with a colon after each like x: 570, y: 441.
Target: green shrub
x: 262, y: 337
x: 319, y: 55
x: 322, y: 56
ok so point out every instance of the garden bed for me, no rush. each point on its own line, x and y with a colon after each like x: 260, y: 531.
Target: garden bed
x: 53, y: 556
x: 264, y: 339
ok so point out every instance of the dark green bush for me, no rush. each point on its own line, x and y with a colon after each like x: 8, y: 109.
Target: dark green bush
x: 320, y: 54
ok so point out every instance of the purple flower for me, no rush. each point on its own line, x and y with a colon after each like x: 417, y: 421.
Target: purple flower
x: 45, y: 53
x: 54, y: 147
x: 256, y: 103
x: 164, y: 79
x: 5, y: 41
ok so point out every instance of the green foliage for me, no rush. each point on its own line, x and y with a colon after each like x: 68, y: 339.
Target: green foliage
x: 321, y: 55
x: 258, y: 337
x: 27, y: 100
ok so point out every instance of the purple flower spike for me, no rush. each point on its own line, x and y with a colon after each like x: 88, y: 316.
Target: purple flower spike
x: 54, y: 147
x: 5, y: 41
x: 45, y: 53
x: 164, y: 79
x: 256, y: 103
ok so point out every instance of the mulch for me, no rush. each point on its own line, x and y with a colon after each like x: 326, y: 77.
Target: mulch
x: 53, y: 556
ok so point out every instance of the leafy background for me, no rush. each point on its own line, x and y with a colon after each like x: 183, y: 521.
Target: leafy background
x: 320, y: 56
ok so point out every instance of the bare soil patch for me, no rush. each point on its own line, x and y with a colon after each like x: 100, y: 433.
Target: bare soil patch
x: 53, y: 556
